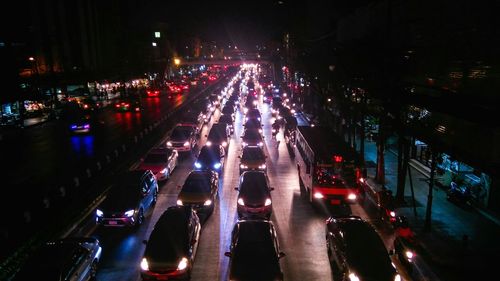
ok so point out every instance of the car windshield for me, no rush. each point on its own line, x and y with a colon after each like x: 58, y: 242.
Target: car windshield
x: 155, y: 158
x: 208, y: 155
x: 253, y: 154
x: 329, y: 177
x: 196, y: 184
x: 365, y: 248
x: 181, y: 133
x: 254, y: 188
x: 252, y: 134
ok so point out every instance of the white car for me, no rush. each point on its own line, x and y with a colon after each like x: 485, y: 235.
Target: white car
x: 161, y: 161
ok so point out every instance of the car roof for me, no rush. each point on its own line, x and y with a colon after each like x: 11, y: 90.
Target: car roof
x: 254, y: 231
x: 128, y: 177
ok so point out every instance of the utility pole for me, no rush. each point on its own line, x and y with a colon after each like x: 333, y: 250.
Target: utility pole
x: 428, y: 212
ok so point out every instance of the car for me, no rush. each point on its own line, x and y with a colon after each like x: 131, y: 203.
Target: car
x: 193, y: 118
x: 211, y: 157
x: 252, y: 137
x: 252, y: 158
x: 226, y: 119
x: 131, y: 196
x: 228, y: 110
x: 182, y: 138
x: 80, y: 123
x: 200, y: 191
x: 254, y: 195
x: 129, y: 104
x: 172, y: 245
x: 289, y: 129
x: 71, y: 258
x: 161, y: 161
x: 253, y: 114
x: 153, y: 92
x: 254, y: 251
x: 356, y: 251
x: 219, y: 134
x: 253, y: 124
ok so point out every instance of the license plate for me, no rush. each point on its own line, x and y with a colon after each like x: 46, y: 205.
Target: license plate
x: 161, y: 277
x: 112, y: 222
x: 335, y: 201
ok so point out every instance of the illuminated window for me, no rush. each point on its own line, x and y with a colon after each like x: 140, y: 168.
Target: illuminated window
x: 157, y: 34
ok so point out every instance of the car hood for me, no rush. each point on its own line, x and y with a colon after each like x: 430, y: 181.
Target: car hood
x: 121, y: 203
x: 193, y: 198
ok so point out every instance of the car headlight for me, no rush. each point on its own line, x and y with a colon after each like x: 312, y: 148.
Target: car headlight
x: 244, y: 143
x: 164, y: 171
x: 217, y: 165
x: 268, y: 202
x: 99, y: 213
x: 260, y: 143
x: 197, y: 165
x: 186, y: 144
x: 353, y: 277
x: 224, y: 143
x: 262, y: 167
x: 129, y: 213
x: 243, y: 166
x: 207, y: 203
x: 409, y: 254
x: 208, y: 143
x: 351, y: 196
x: 169, y: 143
x: 241, y: 202
x: 144, y: 264
x: 179, y: 202
x: 182, y: 264
x: 318, y: 195
x: 397, y: 277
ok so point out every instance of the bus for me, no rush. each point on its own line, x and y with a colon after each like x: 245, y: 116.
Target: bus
x: 329, y: 170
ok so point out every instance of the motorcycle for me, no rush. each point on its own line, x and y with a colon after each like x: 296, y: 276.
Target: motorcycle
x: 405, y: 251
x: 459, y: 194
x: 387, y: 208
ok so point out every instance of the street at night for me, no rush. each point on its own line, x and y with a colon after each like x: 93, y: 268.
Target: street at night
x: 278, y: 141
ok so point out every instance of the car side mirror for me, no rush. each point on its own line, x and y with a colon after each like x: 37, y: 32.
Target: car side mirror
x: 206, y: 136
x: 281, y: 255
x: 239, y: 156
x: 227, y: 254
x: 391, y: 252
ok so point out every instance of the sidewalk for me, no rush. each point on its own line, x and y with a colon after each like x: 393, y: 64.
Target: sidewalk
x: 445, y: 253
x: 443, y: 248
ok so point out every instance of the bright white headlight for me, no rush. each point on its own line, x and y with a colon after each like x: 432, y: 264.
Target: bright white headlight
x: 144, y: 264
x: 182, y: 264
x: 129, y: 213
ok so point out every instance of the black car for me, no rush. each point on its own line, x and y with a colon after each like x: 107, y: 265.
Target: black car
x: 356, y: 251
x: 172, y: 245
x: 211, y: 157
x: 219, y: 134
x: 254, y: 252
x: 252, y: 137
x: 183, y: 138
x: 132, y: 195
x: 228, y: 110
x: 129, y: 104
x: 74, y: 258
x: 253, y: 124
x: 254, y: 197
x: 253, y: 114
x: 200, y: 191
x: 226, y: 119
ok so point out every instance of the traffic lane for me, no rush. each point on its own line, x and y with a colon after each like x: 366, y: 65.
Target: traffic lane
x: 45, y: 152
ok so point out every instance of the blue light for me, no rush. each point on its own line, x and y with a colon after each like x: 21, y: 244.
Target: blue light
x: 217, y: 165
x: 197, y: 165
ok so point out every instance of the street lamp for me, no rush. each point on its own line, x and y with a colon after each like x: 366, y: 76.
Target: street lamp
x: 177, y: 61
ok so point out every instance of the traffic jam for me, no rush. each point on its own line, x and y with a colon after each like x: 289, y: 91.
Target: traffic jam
x: 241, y: 187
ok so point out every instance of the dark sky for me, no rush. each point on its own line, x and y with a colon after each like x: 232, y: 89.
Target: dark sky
x: 244, y: 23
